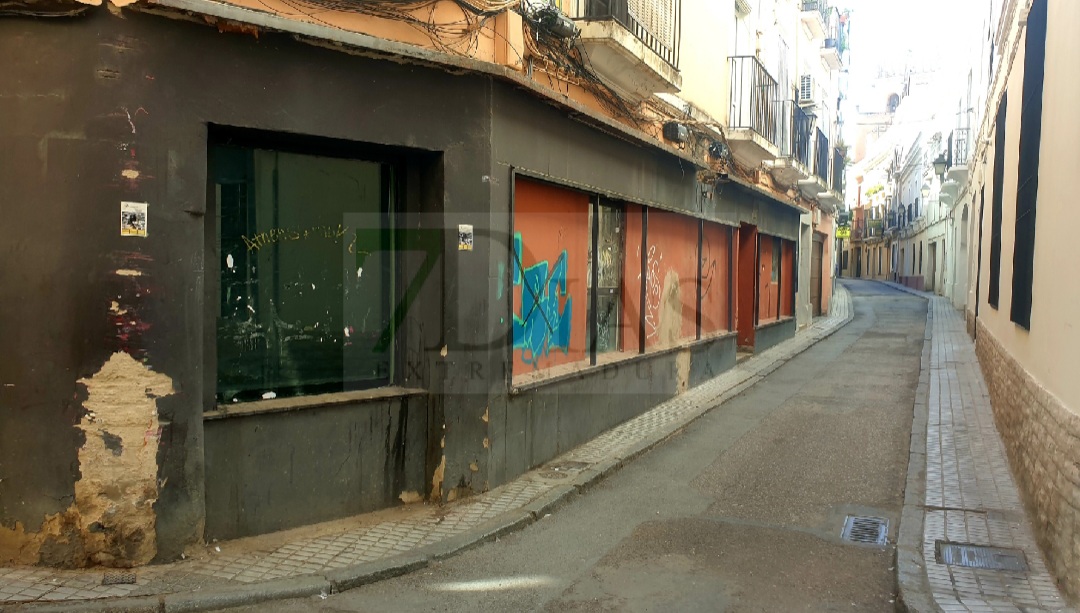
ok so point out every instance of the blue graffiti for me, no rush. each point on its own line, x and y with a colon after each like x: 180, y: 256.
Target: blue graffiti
x: 541, y: 326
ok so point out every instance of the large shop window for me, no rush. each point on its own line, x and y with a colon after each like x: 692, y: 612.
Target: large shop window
x: 303, y: 306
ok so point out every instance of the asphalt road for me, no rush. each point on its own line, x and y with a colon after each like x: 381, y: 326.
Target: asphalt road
x: 741, y: 512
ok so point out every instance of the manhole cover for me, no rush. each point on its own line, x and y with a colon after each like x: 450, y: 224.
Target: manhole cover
x: 553, y: 474
x: 119, y: 577
x: 869, y: 530
x: 980, y: 556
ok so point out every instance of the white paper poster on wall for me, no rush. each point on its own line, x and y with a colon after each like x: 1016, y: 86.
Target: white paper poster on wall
x: 465, y: 237
x: 133, y: 219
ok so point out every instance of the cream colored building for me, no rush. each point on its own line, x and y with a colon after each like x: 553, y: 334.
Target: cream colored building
x: 1024, y: 290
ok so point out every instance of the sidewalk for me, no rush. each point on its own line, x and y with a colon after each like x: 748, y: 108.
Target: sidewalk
x: 960, y: 489
x: 345, y: 554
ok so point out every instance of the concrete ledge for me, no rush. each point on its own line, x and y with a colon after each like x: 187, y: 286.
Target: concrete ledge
x: 140, y: 604
x: 363, y: 574
x: 235, y: 596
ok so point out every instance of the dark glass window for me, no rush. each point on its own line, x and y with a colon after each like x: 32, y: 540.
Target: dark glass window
x: 306, y: 272
x: 610, y: 252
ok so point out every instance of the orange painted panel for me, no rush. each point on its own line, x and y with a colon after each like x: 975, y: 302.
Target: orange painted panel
x: 715, y: 278
x: 631, y: 296
x: 671, y: 282
x: 550, y: 264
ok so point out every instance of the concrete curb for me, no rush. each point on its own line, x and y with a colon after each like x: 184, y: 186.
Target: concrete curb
x: 915, y: 594
x: 355, y: 576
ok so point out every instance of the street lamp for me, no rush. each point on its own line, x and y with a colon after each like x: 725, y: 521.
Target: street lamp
x: 940, y: 165
x: 926, y: 189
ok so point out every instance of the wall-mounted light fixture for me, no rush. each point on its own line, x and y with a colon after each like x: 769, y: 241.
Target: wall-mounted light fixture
x: 940, y: 166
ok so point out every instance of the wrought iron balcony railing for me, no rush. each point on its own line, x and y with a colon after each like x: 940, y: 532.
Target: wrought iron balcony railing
x: 958, y: 147
x: 803, y: 125
x: 838, y: 172
x: 821, y: 6
x: 754, y: 98
x: 821, y: 157
x: 656, y: 23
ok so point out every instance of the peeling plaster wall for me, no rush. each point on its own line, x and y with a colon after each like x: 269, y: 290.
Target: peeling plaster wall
x: 118, y: 487
x: 114, y: 107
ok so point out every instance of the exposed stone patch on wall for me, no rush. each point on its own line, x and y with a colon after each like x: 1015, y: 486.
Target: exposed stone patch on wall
x: 112, y: 520
x: 1042, y: 438
x: 115, y: 494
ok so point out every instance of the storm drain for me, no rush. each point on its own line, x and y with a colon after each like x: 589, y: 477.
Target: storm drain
x: 118, y: 577
x: 980, y: 556
x: 868, y: 530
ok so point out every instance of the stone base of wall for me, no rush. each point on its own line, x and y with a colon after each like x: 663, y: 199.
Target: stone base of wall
x: 969, y: 318
x: 1042, y: 439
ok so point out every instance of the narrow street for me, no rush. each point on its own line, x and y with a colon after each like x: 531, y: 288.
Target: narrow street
x: 742, y: 512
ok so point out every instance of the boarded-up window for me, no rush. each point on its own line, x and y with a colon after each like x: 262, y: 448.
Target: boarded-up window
x: 550, y: 276
x: 1027, y: 191
x: 671, y: 279
x: 715, y: 278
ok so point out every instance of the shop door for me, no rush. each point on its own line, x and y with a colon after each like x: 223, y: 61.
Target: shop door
x: 816, y: 257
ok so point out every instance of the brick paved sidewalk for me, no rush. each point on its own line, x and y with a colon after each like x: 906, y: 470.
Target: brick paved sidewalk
x: 274, y: 566
x: 969, y: 496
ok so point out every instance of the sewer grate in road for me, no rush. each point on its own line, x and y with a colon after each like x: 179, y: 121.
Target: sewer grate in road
x: 980, y: 556
x: 868, y: 530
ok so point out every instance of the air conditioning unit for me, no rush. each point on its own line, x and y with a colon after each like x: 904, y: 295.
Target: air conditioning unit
x: 807, y: 95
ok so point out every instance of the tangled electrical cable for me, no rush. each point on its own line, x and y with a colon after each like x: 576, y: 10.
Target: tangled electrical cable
x: 571, y: 62
x: 456, y: 35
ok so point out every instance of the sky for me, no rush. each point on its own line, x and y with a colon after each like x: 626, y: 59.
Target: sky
x: 933, y: 34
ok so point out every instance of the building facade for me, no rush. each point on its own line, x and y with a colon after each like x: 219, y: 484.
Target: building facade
x: 312, y: 264
x: 1022, y: 292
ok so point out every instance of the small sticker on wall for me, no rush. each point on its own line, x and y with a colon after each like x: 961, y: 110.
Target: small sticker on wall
x: 465, y: 237
x: 132, y: 219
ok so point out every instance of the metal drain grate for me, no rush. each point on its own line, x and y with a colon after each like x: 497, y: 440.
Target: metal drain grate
x: 118, y: 577
x: 869, y: 530
x: 980, y: 556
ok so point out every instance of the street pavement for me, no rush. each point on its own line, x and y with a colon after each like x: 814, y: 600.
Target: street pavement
x: 741, y: 511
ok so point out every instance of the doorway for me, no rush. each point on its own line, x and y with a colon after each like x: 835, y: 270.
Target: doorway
x: 816, y: 257
x: 931, y: 267
x: 746, y: 290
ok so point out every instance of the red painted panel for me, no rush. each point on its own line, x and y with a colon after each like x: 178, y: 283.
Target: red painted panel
x: 550, y: 262
x: 746, y: 284
x: 768, y: 291
x: 671, y: 282
x: 715, y: 278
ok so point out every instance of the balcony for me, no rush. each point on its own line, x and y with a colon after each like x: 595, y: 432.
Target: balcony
x: 835, y: 194
x: 796, y: 127
x: 833, y: 45
x: 958, y: 155
x: 754, y: 123
x: 633, y: 44
x: 813, y: 16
